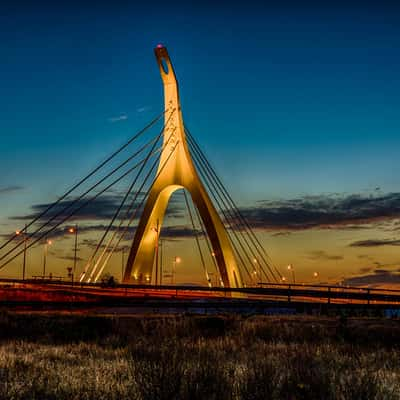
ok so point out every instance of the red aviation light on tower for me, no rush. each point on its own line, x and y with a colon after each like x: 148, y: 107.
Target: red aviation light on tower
x: 160, y: 46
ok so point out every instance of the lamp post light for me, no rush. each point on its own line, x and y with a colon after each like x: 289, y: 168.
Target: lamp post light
x: 157, y: 231
x: 283, y: 279
x: 257, y: 274
x: 70, y: 274
x: 74, y: 230
x: 122, y: 263
x: 24, y: 233
x: 161, y: 260
x: 175, y: 261
x: 316, y: 275
x: 45, y: 249
x: 291, y: 269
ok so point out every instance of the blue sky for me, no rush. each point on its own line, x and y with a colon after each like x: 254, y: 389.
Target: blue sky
x: 287, y: 101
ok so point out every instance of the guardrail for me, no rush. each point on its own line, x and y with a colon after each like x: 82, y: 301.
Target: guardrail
x: 264, y: 291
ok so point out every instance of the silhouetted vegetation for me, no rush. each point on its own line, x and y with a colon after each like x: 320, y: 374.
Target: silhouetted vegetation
x: 197, y: 357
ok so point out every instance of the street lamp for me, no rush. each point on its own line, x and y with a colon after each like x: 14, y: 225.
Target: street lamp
x: 45, y: 249
x: 122, y: 263
x: 291, y: 269
x: 175, y: 261
x: 161, y: 260
x: 157, y: 231
x: 24, y: 233
x: 74, y: 230
x: 283, y: 279
x: 255, y: 272
x: 316, y: 275
x: 70, y: 274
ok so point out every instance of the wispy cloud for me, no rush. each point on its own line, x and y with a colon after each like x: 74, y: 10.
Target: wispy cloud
x: 143, y: 109
x: 375, y: 243
x: 324, y: 211
x: 323, y: 255
x: 377, y: 278
x: 10, y: 189
x: 99, y: 209
x: 282, y: 233
x: 119, y: 118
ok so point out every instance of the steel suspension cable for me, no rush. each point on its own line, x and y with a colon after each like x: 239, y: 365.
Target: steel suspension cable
x: 76, y: 201
x: 253, y: 238
x: 102, y: 164
x: 74, y: 212
x: 225, y: 191
x: 227, y: 213
x: 207, y: 240
x: 126, y: 214
x: 197, y: 239
x: 231, y: 216
x: 123, y: 201
x: 206, y: 181
x: 140, y: 204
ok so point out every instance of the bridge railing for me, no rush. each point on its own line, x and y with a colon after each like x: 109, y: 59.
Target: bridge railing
x: 265, y: 291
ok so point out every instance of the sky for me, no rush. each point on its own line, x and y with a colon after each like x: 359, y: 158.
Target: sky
x: 296, y: 107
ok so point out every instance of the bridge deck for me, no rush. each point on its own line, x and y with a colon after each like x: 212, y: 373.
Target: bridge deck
x: 58, y: 293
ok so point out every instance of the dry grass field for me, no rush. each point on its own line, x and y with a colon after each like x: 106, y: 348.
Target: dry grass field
x: 193, y: 357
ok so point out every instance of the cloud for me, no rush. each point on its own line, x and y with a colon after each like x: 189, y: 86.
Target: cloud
x: 365, y: 270
x: 323, y: 255
x: 375, y: 243
x: 119, y: 118
x: 179, y: 232
x: 143, y: 109
x: 10, y: 189
x: 92, y: 244
x: 324, y: 211
x: 364, y: 256
x: 69, y: 258
x: 378, y: 277
x: 282, y: 233
x: 102, y: 208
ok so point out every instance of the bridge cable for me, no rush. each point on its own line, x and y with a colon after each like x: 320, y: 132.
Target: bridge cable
x: 225, y: 211
x: 207, y: 240
x: 253, y: 238
x: 121, y: 205
x: 216, y: 199
x: 136, y: 136
x: 237, y: 210
x: 255, y: 258
x: 214, y: 191
x: 140, y: 204
x: 122, y: 220
x: 75, y: 201
x: 197, y: 239
x: 124, y: 199
x: 234, y: 245
x: 75, y: 211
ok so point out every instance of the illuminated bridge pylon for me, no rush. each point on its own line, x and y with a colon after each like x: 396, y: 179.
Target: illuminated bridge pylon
x: 176, y: 171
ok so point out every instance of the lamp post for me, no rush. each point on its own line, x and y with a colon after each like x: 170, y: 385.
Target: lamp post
x: 161, y: 260
x: 24, y: 233
x: 291, y: 269
x: 175, y: 261
x: 257, y: 274
x: 48, y: 243
x: 316, y: 275
x: 122, y: 263
x: 70, y: 274
x: 74, y: 230
x: 157, y: 231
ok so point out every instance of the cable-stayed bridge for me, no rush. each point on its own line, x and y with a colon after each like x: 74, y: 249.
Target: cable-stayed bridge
x: 145, y: 171
x: 156, y: 166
